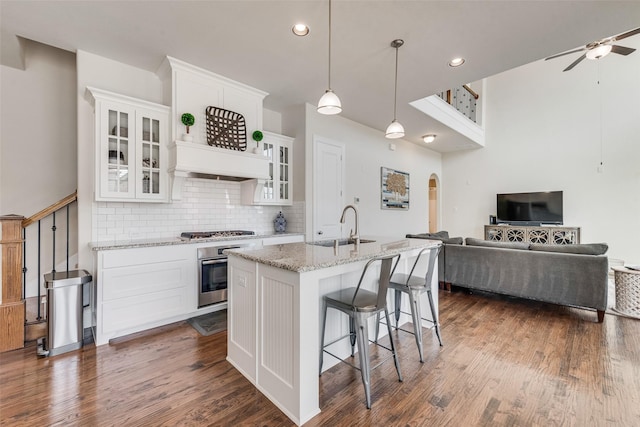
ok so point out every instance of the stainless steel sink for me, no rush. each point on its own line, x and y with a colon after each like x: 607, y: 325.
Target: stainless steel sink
x: 341, y: 242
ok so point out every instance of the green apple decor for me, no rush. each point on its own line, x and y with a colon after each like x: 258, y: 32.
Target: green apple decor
x: 257, y: 137
x: 188, y: 120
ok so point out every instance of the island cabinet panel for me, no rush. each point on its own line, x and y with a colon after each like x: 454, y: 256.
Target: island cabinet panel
x: 282, y: 339
x: 242, y: 313
x: 277, y: 326
x: 141, y: 288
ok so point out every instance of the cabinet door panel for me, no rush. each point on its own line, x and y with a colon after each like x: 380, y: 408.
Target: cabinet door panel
x: 151, y: 179
x: 132, y: 312
x: 277, y: 189
x: 143, y: 279
x: 114, y: 156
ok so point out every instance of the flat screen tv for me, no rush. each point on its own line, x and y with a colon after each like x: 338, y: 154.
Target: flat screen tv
x: 530, y: 208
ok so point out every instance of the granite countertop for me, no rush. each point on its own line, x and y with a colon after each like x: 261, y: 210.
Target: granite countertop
x: 302, y: 257
x: 167, y: 241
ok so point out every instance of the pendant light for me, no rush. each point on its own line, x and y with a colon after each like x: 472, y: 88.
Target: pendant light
x: 395, y: 129
x: 329, y: 102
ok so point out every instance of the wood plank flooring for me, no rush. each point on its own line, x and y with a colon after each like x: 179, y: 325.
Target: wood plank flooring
x: 505, y: 362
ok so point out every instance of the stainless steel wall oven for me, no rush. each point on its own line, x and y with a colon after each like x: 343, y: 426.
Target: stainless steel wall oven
x: 212, y: 274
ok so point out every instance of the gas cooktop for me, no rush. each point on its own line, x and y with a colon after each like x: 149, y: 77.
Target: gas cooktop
x: 191, y: 235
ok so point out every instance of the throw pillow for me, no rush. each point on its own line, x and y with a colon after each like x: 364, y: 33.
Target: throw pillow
x: 452, y: 241
x: 582, y: 249
x: 491, y: 244
x: 439, y: 235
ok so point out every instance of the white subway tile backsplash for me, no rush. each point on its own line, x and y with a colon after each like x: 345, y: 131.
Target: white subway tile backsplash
x: 205, y: 205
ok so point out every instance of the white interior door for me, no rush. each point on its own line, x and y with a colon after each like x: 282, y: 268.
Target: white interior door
x: 328, y: 175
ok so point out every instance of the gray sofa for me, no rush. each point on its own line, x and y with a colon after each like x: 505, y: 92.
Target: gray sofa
x: 443, y: 236
x: 572, y: 275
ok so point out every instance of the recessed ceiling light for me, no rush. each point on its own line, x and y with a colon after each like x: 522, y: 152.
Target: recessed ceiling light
x: 429, y: 138
x: 300, y: 30
x: 456, y: 62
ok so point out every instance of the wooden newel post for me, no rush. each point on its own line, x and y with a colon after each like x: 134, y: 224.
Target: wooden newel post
x: 12, y: 308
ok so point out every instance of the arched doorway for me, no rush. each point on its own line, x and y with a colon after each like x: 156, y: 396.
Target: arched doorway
x: 433, y: 203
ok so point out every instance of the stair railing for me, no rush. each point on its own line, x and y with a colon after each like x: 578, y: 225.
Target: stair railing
x: 37, y: 218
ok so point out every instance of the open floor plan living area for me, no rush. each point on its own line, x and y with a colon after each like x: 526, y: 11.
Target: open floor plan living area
x: 319, y: 213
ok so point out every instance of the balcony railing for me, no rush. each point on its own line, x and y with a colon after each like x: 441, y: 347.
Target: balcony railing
x: 463, y: 99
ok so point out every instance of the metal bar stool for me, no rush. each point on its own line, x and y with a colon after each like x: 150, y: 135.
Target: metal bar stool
x: 361, y: 304
x: 414, y: 286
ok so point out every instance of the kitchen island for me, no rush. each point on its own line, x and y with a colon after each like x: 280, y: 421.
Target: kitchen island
x: 274, y: 312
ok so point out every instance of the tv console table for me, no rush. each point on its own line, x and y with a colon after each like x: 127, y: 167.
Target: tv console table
x: 548, y: 235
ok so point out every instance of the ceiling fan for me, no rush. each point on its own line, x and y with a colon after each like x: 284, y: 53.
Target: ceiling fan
x: 600, y: 49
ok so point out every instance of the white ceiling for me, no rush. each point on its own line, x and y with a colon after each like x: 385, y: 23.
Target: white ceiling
x: 252, y: 42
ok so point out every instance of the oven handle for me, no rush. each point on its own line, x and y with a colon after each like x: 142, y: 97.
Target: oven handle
x: 214, y: 261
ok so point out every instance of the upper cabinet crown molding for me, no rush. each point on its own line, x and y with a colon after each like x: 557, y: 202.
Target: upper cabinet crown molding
x: 93, y: 94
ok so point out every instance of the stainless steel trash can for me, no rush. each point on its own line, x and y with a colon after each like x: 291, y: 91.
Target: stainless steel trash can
x: 64, y: 310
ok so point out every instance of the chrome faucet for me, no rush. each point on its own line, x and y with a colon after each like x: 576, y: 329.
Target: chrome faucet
x: 352, y: 235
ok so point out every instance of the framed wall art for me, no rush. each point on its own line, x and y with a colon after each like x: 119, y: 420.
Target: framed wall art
x: 395, y: 189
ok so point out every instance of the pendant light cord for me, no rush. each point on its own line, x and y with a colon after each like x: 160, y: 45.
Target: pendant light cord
x: 329, y: 45
x: 395, y: 89
x: 600, y: 103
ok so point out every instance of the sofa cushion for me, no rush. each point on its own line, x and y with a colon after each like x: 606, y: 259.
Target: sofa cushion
x: 453, y: 241
x: 491, y: 244
x: 583, y: 249
x: 440, y: 235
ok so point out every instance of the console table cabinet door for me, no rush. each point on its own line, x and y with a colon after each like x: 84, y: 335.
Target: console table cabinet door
x: 532, y: 234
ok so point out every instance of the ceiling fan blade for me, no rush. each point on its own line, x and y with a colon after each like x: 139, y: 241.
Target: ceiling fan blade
x: 627, y: 34
x: 565, y: 53
x: 576, y: 62
x: 622, y: 50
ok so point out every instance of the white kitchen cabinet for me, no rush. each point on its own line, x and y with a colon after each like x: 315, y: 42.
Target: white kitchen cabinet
x: 277, y: 190
x: 141, y: 288
x: 131, y: 148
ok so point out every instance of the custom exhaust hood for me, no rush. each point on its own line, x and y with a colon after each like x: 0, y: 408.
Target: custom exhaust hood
x: 192, y: 160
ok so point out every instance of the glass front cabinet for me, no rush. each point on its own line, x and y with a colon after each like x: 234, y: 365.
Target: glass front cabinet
x: 277, y: 190
x: 131, y: 148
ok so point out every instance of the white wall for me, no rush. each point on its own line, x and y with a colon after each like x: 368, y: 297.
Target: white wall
x: 38, y: 147
x: 367, y: 150
x: 37, y: 107
x: 549, y: 130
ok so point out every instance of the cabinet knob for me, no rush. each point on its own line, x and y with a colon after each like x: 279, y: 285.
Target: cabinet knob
x: 320, y: 232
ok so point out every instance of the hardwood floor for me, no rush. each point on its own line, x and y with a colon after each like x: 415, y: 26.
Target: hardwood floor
x: 505, y: 362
